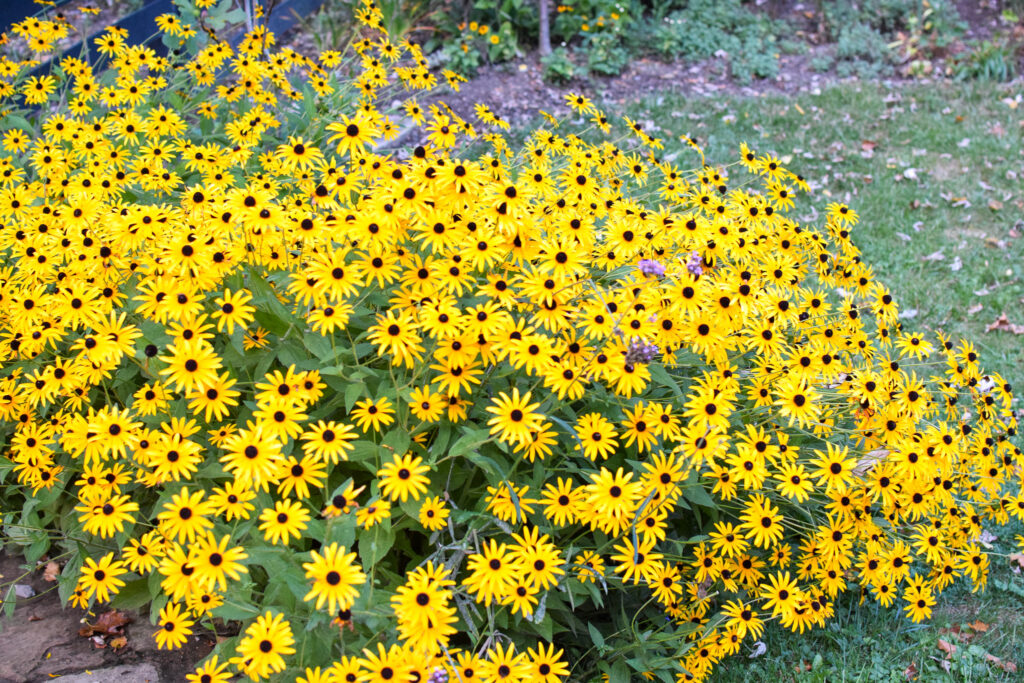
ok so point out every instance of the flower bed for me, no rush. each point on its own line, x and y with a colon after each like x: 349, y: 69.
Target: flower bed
x: 463, y: 412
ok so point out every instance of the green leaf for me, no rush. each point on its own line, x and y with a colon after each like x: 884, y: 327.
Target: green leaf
x: 235, y: 610
x: 353, y: 393
x: 397, y: 440
x: 661, y: 376
x: 596, y: 637
x: 374, y: 544
x: 619, y: 672
x: 11, y: 121
x: 695, y: 492
x: 133, y: 595
x: 319, y: 346
x: 341, y: 530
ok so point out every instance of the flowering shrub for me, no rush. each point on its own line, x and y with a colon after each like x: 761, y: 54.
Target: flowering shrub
x: 530, y: 414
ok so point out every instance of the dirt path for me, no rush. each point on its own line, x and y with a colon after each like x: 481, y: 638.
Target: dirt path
x: 43, y: 642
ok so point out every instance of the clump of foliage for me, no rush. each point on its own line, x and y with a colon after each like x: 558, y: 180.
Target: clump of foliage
x: 706, y: 28
x: 557, y: 411
x: 559, y: 66
x: 874, y: 35
x: 997, y: 59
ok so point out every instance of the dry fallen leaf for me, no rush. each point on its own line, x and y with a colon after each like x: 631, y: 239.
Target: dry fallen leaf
x: 118, y: 642
x: 947, y: 647
x: 934, y: 256
x: 910, y: 673
x: 955, y: 634
x: 1003, y: 325
x: 1018, y: 559
x: 108, y: 624
x: 995, y: 204
x: 979, y: 626
x: 976, y: 308
x: 51, y: 572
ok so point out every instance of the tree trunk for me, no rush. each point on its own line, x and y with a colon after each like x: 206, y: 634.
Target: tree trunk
x: 545, y: 30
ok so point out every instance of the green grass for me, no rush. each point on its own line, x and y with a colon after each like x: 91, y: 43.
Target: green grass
x: 905, y: 216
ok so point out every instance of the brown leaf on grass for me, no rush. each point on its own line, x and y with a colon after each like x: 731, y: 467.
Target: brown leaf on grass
x: 1017, y: 559
x: 976, y: 308
x: 995, y: 204
x: 979, y: 626
x: 910, y: 673
x: 955, y: 634
x: 947, y: 647
x: 51, y: 572
x: 1002, y: 324
x: 1004, y: 664
x: 868, y: 145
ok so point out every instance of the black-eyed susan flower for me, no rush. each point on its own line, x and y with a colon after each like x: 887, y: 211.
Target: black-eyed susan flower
x: 174, y: 627
x: 433, y: 514
x: 100, y: 579
x: 286, y: 519
x: 403, y: 477
x: 373, y: 513
x: 186, y: 515
x: 264, y: 646
x: 370, y: 414
x: 336, y: 578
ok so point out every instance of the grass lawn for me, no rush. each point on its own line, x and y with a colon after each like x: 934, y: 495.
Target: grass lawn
x: 936, y: 173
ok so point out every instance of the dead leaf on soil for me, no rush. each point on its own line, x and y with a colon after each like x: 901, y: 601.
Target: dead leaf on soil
x: 118, y: 642
x: 51, y: 572
x: 107, y: 624
x: 1003, y: 325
